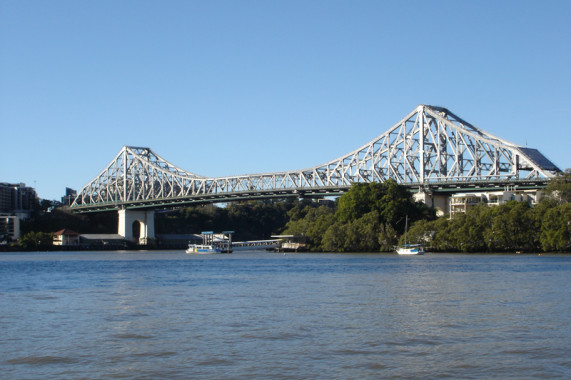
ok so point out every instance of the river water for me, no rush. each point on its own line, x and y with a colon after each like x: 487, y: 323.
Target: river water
x: 150, y: 315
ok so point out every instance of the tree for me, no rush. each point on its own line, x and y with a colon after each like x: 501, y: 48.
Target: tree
x: 312, y: 225
x: 556, y: 229
x: 512, y: 227
x: 362, y: 235
x: 323, y: 218
x: 470, y: 228
x: 443, y: 234
x: 559, y: 188
x: 419, y: 233
x: 368, y: 218
x: 391, y: 201
x: 34, y: 241
x: 335, y: 237
x: 358, y: 201
x: 387, y: 237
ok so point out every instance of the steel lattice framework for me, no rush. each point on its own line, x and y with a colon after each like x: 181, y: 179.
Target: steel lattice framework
x: 429, y: 147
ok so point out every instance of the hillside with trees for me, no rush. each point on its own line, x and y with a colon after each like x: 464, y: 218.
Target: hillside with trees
x: 511, y: 227
x: 370, y: 217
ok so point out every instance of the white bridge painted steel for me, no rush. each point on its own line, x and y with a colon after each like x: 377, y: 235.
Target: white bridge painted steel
x: 429, y: 147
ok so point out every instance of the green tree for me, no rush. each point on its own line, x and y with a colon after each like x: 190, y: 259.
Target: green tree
x: 324, y: 218
x: 512, y: 227
x: 335, y: 237
x: 559, y: 188
x: 538, y: 215
x: 396, y: 204
x: 470, y: 229
x: 391, y: 201
x: 556, y: 229
x: 443, y: 234
x: 419, y: 233
x: 368, y: 218
x: 362, y: 234
x: 387, y: 237
x: 312, y: 225
x: 358, y: 201
x: 34, y: 241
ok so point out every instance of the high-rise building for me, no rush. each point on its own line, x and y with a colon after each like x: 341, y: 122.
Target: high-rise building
x: 9, y: 228
x: 17, y: 201
x: 69, y: 197
x: 17, y: 198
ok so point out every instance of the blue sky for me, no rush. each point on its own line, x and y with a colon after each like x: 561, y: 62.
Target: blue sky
x: 231, y: 87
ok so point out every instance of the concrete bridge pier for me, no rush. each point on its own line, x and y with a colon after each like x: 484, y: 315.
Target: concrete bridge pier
x: 137, y: 226
x: 439, y: 201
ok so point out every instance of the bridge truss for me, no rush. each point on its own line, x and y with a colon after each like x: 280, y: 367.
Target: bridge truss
x: 429, y: 147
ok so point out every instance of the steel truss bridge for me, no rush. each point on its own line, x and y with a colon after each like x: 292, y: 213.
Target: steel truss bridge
x: 430, y: 149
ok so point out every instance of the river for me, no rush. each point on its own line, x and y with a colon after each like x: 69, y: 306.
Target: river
x: 151, y: 315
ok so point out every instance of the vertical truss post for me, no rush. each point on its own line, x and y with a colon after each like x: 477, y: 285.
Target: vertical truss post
x: 421, y: 142
x: 124, y: 175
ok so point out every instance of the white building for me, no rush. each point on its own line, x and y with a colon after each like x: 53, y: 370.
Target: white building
x: 66, y: 237
x: 462, y: 202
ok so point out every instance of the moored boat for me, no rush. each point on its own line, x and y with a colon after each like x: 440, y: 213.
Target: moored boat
x: 212, y: 244
x: 409, y: 249
x: 202, y: 249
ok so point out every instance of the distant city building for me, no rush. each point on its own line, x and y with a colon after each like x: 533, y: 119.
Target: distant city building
x: 70, y: 195
x: 17, y: 199
x: 9, y: 228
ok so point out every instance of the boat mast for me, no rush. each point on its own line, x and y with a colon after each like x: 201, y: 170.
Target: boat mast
x: 405, y: 228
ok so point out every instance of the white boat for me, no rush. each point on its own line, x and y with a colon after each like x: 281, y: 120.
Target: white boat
x: 210, y: 245
x: 409, y: 249
x: 202, y: 249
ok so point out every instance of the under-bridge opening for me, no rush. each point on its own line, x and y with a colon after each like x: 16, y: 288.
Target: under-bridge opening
x: 136, y: 229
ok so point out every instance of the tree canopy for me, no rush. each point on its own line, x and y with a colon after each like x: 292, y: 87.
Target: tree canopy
x: 368, y: 218
x: 559, y: 188
x: 511, y: 227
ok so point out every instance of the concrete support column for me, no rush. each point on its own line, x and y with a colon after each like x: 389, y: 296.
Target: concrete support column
x: 439, y: 201
x: 146, y: 220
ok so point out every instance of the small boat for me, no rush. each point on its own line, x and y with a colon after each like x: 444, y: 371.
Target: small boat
x: 202, y: 249
x: 409, y: 249
x: 210, y: 245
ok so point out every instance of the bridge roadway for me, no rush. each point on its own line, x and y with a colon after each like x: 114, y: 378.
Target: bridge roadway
x: 444, y: 188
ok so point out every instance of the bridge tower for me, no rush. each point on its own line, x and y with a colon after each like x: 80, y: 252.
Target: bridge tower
x: 146, y: 224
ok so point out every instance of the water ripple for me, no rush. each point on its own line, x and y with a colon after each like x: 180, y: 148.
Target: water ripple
x: 165, y: 315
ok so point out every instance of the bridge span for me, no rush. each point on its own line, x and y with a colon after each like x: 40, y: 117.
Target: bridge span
x: 430, y: 150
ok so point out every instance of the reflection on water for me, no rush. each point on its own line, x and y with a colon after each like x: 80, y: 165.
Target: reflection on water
x: 264, y: 315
